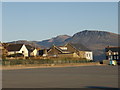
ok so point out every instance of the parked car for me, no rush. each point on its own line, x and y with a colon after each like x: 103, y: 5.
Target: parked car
x: 113, y: 62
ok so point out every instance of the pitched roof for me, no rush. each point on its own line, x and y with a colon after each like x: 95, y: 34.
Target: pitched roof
x: 17, y: 47
x: 59, y: 49
x: 79, y: 47
x: 14, y: 47
x: 113, y: 49
x: 30, y: 48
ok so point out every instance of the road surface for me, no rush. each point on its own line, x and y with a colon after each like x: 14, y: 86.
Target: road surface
x: 62, y: 77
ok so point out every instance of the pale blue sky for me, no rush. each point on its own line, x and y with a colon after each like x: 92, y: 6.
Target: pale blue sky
x: 40, y: 21
x: 0, y: 21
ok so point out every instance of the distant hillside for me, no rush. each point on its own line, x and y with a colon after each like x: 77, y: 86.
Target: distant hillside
x: 95, y: 40
x: 56, y: 40
x: 32, y: 43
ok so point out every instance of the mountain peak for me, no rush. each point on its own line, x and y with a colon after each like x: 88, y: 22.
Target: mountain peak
x: 92, y: 32
x: 63, y: 36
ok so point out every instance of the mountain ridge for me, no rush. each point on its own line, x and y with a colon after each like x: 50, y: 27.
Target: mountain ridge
x: 95, y: 40
x: 58, y: 40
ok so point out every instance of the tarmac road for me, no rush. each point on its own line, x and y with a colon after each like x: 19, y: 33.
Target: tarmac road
x: 62, y: 77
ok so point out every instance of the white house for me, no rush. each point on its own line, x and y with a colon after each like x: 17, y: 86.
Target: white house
x: 81, y: 50
x: 34, y: 52
x: 89, y: 55
x: 17, y: 48
x: 26, y: 50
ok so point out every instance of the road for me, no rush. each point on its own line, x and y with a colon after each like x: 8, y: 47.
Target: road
x: 62, y: 77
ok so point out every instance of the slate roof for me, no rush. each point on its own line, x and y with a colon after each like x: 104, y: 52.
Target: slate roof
x: 14, y: 47
x: 61, y: 50
x: 113, y: 49
x: 30, y: 48
x: 17, y: 47
x: 79, y: 47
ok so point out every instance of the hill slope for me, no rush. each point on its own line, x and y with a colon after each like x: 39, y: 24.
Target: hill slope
x: 56, y: 40
x: 32, y: 43
x: 95, y: 41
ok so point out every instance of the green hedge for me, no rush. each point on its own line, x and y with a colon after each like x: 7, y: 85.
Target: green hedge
x: 41, y: 61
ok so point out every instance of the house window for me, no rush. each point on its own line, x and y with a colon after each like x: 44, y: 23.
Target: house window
x: 115, y: 57
x: 89, y: 55
x: 117, y: 53
x: 63, y: 48
x: 114, y: 53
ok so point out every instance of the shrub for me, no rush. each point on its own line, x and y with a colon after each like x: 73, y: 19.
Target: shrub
x: 16, y: 55
x: 43, y: 61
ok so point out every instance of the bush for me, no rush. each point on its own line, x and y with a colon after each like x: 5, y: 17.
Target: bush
x: 16, y: 55
x: 43, y: 61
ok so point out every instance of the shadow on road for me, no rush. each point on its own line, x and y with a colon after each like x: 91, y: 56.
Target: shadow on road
x: 101, y: 88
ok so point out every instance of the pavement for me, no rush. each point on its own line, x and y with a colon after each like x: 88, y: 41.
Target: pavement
x: 62, y: 77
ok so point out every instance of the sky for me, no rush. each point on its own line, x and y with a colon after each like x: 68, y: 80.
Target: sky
x: 0, y: 21
x: 43, y: 20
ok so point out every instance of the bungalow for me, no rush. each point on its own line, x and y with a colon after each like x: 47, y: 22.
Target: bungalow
x: 81, y: 50
x: 60, y: 52
x: 26, y: 50
x: 69, y: 50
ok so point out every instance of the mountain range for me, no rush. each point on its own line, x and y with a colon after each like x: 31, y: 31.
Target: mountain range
x: 93, y: 39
